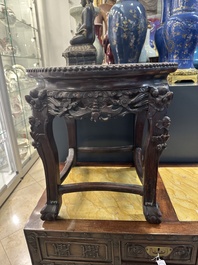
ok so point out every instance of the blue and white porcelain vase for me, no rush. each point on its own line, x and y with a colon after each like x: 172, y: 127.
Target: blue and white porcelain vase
x: 159, y: 39
x: 181, y: 33
x: 127, y: 27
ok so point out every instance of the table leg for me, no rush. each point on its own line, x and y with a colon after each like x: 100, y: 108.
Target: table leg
x: 72, y: 152
x: 138, y: 143
x: 158, y: 127
x: 42, y: 133
x: 72, y: 136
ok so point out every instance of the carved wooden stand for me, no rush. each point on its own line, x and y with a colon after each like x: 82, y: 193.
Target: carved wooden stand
x: 102, y: 93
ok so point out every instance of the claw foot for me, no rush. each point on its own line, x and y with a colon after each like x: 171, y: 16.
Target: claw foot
x: 152, y: 214
x: 50, y: 211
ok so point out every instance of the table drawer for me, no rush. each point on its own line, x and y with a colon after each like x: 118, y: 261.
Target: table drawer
x: 78, y: 250
x: 173, y: 253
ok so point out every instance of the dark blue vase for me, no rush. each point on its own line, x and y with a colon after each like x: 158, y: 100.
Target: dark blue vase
x: 181, y: 33
x: 127, y: 27
x: 159, y: 38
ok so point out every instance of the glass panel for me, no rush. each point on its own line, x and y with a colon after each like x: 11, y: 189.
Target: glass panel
x: 7, y: 167
x: 19, y: 46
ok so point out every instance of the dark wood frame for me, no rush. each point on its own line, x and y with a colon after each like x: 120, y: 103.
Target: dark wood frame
x: 101, y: 93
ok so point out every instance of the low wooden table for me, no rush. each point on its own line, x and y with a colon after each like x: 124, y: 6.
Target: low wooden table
x: 101, y: 93
x: 96, y: 241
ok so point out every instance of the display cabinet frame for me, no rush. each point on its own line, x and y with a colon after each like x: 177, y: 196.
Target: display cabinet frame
x: 20, y: 48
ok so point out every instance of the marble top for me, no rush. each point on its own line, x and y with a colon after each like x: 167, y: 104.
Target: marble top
x: 181, y: 186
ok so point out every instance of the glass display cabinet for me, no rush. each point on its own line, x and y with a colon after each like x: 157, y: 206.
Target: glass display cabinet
x: 19, y: 49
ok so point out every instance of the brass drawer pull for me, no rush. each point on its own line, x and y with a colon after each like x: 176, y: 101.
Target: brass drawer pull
x: 162, y: 251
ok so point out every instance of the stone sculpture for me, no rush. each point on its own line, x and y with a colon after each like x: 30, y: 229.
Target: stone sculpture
x: 82, y: 50
x: 86, y: 33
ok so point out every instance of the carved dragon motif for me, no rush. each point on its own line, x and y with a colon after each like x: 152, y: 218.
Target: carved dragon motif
x: 99, y: 105
x: 37, y: 99
x: 160, y: 97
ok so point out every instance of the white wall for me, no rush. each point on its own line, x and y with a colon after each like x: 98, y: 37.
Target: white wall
x: 54, y: 25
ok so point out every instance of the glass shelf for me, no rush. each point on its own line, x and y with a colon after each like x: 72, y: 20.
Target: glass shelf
x: 21, y: 57
x: 19, y: 49
x: 19, y: 24
x: 2, y: 132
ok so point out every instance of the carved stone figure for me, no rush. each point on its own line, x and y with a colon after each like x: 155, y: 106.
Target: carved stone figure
x: 85, y: 34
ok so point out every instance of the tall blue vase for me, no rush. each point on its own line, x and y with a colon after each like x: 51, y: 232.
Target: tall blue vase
x: 181, y: 33
x: 127, y: 27
x: 159, y: 39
